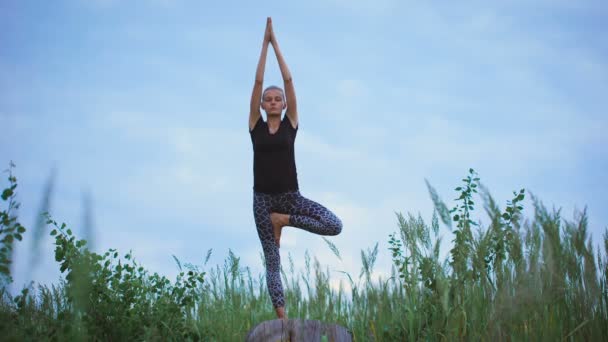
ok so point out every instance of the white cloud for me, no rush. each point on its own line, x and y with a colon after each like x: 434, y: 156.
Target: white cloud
x: 440, y: 140
x: 312, y: 144
x: 349, y: 89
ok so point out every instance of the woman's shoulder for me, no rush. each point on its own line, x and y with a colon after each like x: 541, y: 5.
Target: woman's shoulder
x: 260, y: 122
x: 287, y: 121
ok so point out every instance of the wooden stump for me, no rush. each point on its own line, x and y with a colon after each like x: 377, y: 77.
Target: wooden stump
x: 298, y: 330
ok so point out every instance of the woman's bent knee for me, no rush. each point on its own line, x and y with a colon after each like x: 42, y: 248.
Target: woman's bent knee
x: 336, y: 227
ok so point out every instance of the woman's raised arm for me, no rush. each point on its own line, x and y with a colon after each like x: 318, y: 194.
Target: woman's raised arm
x: 256, y: 95
x: 290, y: 92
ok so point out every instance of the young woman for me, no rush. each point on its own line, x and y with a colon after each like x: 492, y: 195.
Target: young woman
x: 276, y: 199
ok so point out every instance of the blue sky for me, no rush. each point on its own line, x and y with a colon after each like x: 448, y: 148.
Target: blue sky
x: 143, y: 105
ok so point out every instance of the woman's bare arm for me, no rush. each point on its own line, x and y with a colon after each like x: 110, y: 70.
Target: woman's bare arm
x: 290, y: 92
x: 256, y: 95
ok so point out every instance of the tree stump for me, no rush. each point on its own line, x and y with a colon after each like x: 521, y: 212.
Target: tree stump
x: 298, y: 330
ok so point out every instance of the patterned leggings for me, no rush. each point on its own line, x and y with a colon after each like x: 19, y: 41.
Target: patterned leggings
x: 303, y: 213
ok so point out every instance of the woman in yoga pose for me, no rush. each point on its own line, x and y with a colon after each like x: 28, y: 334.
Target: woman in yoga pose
x: 277, y: 201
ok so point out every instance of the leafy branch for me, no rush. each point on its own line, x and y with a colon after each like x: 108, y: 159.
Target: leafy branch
x: 10, y: 228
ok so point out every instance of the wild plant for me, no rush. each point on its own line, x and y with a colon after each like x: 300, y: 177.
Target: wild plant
x: 513, y: 279
x: 10, y: 229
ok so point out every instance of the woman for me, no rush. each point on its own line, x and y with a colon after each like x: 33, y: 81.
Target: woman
x: 276, y: 199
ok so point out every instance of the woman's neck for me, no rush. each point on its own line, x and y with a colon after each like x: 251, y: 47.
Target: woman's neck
x: 274, y: 121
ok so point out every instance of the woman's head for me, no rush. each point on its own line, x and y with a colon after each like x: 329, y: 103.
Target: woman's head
x: 273, y: 100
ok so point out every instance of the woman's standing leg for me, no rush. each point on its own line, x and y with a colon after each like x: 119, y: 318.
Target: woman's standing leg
x: 262, y: 207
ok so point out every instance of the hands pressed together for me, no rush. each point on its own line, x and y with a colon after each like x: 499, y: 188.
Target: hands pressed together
x: 269, y: 33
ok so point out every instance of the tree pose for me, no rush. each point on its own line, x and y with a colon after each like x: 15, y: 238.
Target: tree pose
x: 277, y: 201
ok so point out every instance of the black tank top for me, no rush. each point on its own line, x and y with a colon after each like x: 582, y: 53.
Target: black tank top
x: 274, y: 165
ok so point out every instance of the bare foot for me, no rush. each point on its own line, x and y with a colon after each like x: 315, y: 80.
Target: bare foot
x: 281, y: 313
x: 278, y: 222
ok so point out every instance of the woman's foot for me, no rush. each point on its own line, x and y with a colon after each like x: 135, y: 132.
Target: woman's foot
x: 281, y: 313
x: 278, y: 222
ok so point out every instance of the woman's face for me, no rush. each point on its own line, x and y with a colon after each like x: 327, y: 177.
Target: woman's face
x: 272, y: 102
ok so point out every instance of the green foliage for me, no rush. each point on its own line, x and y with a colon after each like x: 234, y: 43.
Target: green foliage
x: 10, y: 229
x: 440, y: 207
x: 462, y: 250
x: 112, y: 298
x: 516, y: 279
x: 503, y: 283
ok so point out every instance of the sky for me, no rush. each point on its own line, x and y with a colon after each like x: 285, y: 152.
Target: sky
x: 138, y: 111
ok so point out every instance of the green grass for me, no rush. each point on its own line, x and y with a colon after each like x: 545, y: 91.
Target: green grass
x: 516, y: 279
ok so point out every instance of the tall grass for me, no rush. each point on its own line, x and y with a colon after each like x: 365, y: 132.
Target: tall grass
x: 515, y: 279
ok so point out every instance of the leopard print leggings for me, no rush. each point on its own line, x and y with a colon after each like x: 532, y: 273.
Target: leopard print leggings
x: 304, y: 214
